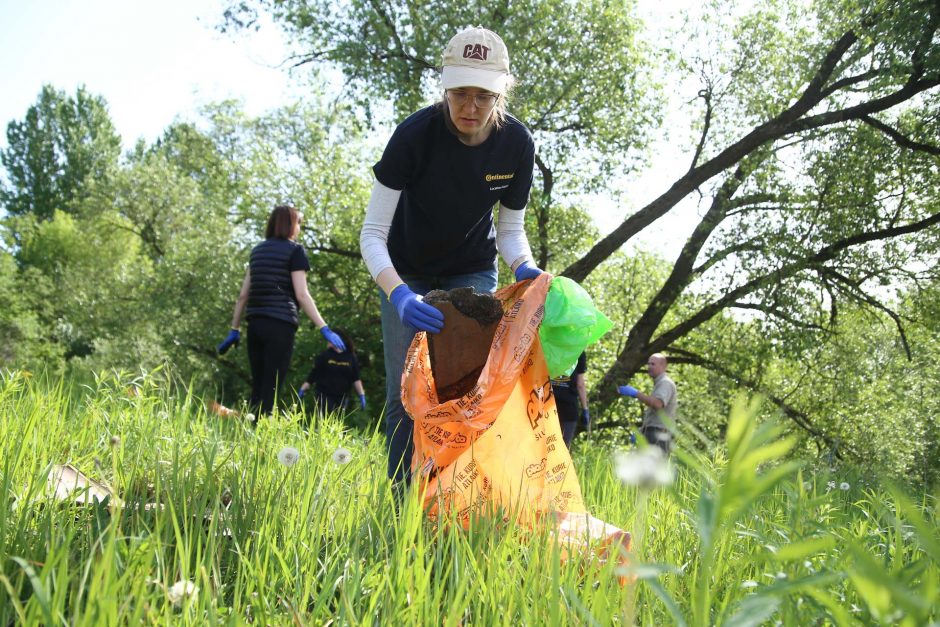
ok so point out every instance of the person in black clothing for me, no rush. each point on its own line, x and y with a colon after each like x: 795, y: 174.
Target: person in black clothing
x: 333, y: 373
x: 568, y: 390
x: 430, y: 220
x: 275, y: 286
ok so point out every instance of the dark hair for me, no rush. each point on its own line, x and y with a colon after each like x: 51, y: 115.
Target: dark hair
x: 350, y: 345
x: 281, y: 222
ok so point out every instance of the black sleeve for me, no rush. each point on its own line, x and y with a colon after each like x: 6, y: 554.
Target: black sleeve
x: 355, y: 368
x: 316, y: 370
x: 516, y: 195
x: 581, y: 366
x: 298, y: 260
x: 394, y: 170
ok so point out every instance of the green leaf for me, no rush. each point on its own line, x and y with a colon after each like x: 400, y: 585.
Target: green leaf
x: 754, y: 611
x: 39, y: 590
x: 663, y: 595
x: 801, y: 550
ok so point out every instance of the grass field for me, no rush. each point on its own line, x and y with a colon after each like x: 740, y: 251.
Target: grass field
x: 210, y: 527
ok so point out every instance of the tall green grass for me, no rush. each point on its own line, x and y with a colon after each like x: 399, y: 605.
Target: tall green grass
x: 743, y: 537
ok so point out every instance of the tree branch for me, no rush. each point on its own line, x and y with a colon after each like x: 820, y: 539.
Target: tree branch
x: 706, y: 95
x: 352, y: 254
x: 776, y: 313
x: 899, y: 139
x: 801, y: 419
x: 773, y: 129
x: 827, y: 253
x: 857, y: 293
x: 682, y: 272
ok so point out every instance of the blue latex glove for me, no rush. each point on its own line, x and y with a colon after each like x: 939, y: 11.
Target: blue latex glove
x: 526, y: 271
x: 586, y: 417
x: 414, y: 312
x: 301, y: 392
x: 362, y: 401
x: 627, y: 390
x: 332, y: 338
x: 233, y: 338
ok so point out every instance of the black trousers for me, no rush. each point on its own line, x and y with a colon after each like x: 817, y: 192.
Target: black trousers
x: 270, y: 344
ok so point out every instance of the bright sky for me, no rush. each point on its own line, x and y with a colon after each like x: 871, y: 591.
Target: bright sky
x: 155, y: 61
x: 151, y: 61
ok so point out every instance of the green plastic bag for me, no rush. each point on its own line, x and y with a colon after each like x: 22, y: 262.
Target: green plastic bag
x: 571, y: 323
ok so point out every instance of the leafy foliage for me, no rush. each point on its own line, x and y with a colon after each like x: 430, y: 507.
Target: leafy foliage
x: 806, y: 276
x: 51, y: 156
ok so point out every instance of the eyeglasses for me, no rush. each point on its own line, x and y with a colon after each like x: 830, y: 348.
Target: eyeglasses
x: 480, y: 100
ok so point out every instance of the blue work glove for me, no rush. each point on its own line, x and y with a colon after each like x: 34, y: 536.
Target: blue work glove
x: 414, y: 312
x: 233, y: 338
x: 362, y: 401
x: 526, y: 271
x: 627, y: 390
x: 300, y: 393
x: 332, y: 338
x: 586, y: 417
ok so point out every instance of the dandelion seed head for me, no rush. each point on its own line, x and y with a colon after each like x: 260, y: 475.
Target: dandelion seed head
x: 342, y: 456
x: 288, y: 456
x: 645, y: 468
x: 115, y: 441
x: 749, y: 584
x: 250, y: 417
x: 181, y: 590
x: 844, y: 486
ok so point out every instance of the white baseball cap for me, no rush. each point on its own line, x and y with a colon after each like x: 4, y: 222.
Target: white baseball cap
x: 476, y: 57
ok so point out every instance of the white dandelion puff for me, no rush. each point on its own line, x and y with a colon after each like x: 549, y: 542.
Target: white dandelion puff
x: 250, y: 417
x: 645, y: 468
x: 182, y: 590
x: 288, y: 456
x: 342, y: 456
x: 844, y: 486
x: 749, y: 584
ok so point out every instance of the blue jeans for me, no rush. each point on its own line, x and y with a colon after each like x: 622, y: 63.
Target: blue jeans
x: 396, y: 338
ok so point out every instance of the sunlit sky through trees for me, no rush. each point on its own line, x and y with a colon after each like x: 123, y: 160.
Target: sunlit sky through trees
x: 156, y: 62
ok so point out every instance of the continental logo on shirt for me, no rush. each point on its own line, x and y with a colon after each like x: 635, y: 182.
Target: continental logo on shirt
x: 489, y: 178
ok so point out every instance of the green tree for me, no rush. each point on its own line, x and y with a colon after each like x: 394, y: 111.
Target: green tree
x: 61, y: 145
x: 814, y: 149
x: 24, y: 341
x: 581, y: 90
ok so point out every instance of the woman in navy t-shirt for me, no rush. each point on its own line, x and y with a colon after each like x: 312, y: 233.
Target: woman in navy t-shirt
x: 429, y: 224
x: 275, y: 286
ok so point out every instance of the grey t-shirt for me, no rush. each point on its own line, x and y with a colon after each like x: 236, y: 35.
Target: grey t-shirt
x: 665, y: 390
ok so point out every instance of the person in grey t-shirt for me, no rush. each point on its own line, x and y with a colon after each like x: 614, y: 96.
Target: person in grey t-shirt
x: 660, y: 404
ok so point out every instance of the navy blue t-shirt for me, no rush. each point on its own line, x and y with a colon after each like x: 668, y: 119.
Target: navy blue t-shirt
x: 444, y: 221
x: 271, y: 294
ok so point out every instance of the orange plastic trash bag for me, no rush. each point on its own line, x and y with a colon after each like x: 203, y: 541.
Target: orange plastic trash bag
x: 499, y: 447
